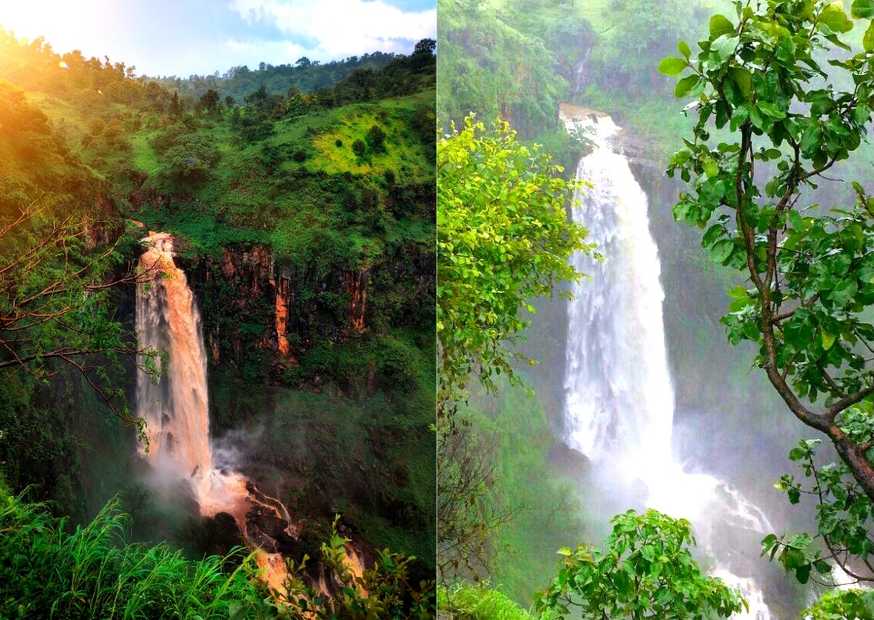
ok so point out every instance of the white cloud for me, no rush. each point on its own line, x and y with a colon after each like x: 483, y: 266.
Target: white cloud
x: 342, y: 28
x: 261, y: 50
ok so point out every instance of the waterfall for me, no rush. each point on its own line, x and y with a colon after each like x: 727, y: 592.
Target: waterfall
x: 175, y: 405
x: 617, y: 383
x: 619, y: 398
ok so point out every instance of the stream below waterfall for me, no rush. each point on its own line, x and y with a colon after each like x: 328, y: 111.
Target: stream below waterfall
x: 619, y: 398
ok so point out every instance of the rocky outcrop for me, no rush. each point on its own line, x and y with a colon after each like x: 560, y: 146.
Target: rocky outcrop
x: 250, y: 269
x: 103, y: 223
x: 283, y: 300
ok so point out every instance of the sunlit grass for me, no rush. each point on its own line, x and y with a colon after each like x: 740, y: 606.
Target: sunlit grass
x: 144, y: 157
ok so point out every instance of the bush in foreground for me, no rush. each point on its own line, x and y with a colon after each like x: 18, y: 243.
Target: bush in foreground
x: 49, y: 570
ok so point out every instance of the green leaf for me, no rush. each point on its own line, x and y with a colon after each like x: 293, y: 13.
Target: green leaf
x: 834, y: 17
x: 672, y: 65
x: 685, y: 85
x: 771, y: 110
x: 721, y: 250
x: 844, y: 291
x: 802, y: 573
x: 744, y: 81
x: 828, y: 340
x: 720, y: 25
x: 868, y: 38
x: 684, y: 49
x: 863, y: 9
x: 713, y: 233
x: 724, y: 46
x: 711, y: 168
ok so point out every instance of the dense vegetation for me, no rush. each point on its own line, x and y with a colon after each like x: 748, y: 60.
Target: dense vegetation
x: 51, y: 570
x: 503, y: 238
x: 325, y: 197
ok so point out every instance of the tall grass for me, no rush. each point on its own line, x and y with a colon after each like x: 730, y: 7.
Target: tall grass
x: 50, y: 570
x: 478, y: 602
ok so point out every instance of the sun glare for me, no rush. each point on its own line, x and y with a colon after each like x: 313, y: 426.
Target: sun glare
x: 85, y: 25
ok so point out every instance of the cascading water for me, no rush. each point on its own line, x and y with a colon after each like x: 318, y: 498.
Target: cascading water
x: 619, y: 398
x: 175, y: 407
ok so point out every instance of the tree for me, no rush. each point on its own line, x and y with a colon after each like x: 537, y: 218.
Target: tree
x: 646, y: 571
x: 210, y: 101
x: 259, y: 98
x: 839, y: 604
x: 844, y: 518
x: 359, y: 148
x: 59, y: 260
x: 376, y: 139
x: 175, y: 105
x: 503, y: 239
x: 812, y: 276
x: 644, y: 33
x: 425, y: 47
x: 53, y: 297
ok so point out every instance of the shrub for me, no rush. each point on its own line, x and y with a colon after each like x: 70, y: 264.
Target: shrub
x: 376, y: 139
x: 49, y: 570
x: 359, y: 148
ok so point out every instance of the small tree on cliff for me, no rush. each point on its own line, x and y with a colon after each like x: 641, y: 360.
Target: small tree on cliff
x: 806, y: 303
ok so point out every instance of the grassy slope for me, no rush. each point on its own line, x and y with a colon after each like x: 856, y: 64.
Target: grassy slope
x: 237, y: 192
x: 93, y: 571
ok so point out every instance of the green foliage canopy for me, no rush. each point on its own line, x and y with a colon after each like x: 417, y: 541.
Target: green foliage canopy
x: 788, y: 121
x: 844, y: 518
x: 840, y: 604
x: 504, y: 239
x: 759, y: 76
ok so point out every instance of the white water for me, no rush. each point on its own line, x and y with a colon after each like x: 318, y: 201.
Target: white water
x: 619, y: 397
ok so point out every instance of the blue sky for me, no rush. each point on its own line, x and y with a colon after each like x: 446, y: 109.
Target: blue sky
x: 163, y: 37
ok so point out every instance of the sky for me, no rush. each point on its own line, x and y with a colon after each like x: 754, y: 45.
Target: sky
x: 181, y: 37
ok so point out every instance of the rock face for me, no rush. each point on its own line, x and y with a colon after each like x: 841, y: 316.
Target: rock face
x: 283, y: 293
x: 252, y: 303
x: 103, y: 225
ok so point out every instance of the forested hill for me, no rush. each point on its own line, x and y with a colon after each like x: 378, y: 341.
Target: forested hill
x: 304, y: 75
x: 304, y: 222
